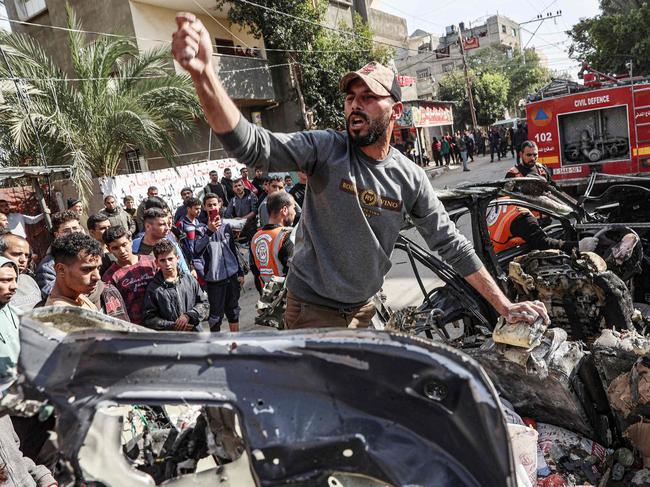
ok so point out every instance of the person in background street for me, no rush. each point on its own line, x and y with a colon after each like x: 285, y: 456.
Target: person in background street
x: 156, y: 228
x: 299, y: 189
x: 511, y: 141
x: 243, y: 174
x: 190, y: 229
x: 129, y: 206
x: 4, y: 222
x: 445, y: 149
x: 16, y: 248
x: 216, y: 187
x: 16, y: 221
x: 276, y: 184
x: 116, y: 215
x: 528, y: 165
x: 152, y: 191
x: 97, y: 224
x: 130, y: 273
x: 271, y: 247
x: 455, y: 144
x: 361, y: 191
x: 261, y: 196
x: 462, y: 147
x: 227, y: 182
x: 521, y: 136
x: 63, y: 223
x: 174, y: 299
x: 469, y: 139
x: 182, y: 209
x: 288, y: 183
x: 504, y: 141
x: 74, y: 204
x: 495, y: 143
x: 222, y: 271
x: 243, y: 207
x: 77, y: 259
x: 258, y: 180
x: 436, y: 147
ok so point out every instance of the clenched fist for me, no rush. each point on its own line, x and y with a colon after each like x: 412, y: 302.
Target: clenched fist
x: 191, y: 44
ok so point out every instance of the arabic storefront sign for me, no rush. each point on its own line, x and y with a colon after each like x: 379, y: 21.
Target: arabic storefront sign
x: 405, y: 80
x: 168, y: 181
x: 425, y: 114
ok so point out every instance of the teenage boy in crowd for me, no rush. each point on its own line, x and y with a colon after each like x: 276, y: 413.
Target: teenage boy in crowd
x: 156, y: 228
x: 63, y: 223
x: 221, y: 269
x: 174, y: 299
x: 131, y: 273
x: 97, y: 224
x: 77, y: 259
x: 190, y: 229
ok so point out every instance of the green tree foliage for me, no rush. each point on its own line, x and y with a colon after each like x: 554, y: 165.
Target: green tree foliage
x: 524, y: 71
x: 490, y: 96
x: 335, y: 55
x: 499, y: 83
x: 131, y: 100
x: 608, y: 41
x: 317, y: 67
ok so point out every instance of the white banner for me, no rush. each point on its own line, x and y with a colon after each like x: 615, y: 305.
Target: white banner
x: 168, y: 181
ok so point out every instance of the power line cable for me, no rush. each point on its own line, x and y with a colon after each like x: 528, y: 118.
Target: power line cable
x: 124, y: 36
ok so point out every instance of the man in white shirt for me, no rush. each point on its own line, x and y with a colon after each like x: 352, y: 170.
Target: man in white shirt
x: 17, y: 221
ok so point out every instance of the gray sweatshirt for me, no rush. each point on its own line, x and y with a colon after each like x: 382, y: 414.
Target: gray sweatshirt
x: 353, y: 211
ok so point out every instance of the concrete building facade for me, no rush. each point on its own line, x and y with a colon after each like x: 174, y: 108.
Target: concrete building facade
x: 425, y: 61
x: 265, y: 95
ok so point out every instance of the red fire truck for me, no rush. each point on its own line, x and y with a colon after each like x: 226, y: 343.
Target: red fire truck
x: 601, y: 126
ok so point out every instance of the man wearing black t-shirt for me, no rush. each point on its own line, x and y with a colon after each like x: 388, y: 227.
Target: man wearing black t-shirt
x: 298, y: 189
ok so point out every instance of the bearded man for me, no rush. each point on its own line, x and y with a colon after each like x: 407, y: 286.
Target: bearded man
x: 360, y: 189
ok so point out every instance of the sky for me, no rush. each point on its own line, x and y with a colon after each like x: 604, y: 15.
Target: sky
x: 550, y: 39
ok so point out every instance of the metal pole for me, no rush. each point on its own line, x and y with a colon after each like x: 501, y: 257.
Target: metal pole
x: 468, y: 82
x: 41, y: 202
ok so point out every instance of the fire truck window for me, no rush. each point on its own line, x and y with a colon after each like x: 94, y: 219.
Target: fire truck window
x: 594, y: 136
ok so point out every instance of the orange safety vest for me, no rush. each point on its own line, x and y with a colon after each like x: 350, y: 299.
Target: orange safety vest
x: 499, y: 219
x: 265, y: 247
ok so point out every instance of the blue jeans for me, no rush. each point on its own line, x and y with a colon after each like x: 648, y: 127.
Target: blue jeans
x: 463, y: 154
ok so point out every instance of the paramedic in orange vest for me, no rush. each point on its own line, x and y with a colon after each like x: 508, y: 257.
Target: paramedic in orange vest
x: 528, y: 165
x: 271, y: 247
x: 512, y: 225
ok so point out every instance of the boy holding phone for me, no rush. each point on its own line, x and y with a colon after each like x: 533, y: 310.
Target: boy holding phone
x: 221, y: 269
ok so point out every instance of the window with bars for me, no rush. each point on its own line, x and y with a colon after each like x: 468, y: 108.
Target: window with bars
x: 133, y: 161
x: 423, y: 73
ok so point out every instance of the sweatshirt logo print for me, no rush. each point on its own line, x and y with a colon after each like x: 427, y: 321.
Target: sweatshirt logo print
x: 369, y: 197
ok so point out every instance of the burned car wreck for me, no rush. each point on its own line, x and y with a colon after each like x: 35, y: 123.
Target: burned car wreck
x: 311, y: 408
x: 440, y: 397
x: 584, y: 379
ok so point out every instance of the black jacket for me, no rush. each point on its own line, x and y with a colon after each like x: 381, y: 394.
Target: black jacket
x: 165, y: 302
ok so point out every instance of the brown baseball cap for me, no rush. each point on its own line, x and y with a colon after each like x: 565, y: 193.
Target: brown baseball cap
x: 380, y: 79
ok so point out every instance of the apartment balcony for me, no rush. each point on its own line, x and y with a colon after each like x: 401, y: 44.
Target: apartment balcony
x: 28, y: 9
x: 246, y: 79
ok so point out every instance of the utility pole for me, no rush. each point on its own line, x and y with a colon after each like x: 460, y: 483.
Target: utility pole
x: 540, y: 18
x: 468, y: 82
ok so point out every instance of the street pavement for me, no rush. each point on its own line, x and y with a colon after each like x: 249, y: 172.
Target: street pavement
x: 400, y: 286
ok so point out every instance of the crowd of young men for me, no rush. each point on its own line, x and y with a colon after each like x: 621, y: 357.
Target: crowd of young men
x: 182, y: 272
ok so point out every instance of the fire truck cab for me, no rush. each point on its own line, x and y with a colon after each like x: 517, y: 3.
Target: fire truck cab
x: 601, y: 126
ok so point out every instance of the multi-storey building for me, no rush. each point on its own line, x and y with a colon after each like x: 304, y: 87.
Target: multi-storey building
x: 264, y: 94
x: 431, y: 57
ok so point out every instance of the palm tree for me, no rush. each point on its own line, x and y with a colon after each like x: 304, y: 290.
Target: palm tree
x: 118, y: 99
